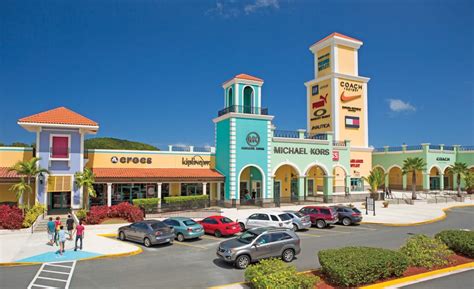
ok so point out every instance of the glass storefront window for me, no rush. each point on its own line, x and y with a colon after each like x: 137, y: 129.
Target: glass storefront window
x: 101, y: 198
x: 357, y: 185
x: 191, y: 189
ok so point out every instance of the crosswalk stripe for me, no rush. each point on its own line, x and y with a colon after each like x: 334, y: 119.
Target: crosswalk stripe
x: 53, y: 279
x: 43, y: 286
x: 55, y: 264
x: 56, y: 272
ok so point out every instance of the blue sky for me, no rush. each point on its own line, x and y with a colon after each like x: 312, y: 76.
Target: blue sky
x: 152, y: 71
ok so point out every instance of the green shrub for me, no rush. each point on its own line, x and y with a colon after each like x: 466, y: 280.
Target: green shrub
x: 183, y: 199
x: 81, y: 214
x: 274, y: 273
x: 461, y: 242
x: 423, y: 251
x: 32, y: 214
x: 149, y: 204
x: 354, y: 266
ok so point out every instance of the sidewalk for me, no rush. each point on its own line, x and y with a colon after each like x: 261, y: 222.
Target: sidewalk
x: 395, y: 215
x: 24, y: 247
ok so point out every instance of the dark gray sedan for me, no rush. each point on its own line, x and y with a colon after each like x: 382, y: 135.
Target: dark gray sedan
x: 147, y: 232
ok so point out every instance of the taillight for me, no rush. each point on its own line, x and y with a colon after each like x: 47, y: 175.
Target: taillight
x: 228, y: 227
x: 190, y: 229
x: 355, y: 214
x: 158, y: 233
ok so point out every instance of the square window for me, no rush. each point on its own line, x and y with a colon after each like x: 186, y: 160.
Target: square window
x: 60, y: 147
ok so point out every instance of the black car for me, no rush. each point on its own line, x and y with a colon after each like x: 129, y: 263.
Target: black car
x: 348, y: 215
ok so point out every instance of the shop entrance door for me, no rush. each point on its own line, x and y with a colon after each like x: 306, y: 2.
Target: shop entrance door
x: 276, y: 192
x: 434, y: 183
x: 257, y: 188
x: 294, y: 190
x: 60, y: 202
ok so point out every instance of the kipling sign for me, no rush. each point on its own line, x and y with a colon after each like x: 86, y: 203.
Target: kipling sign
x: 195, y: 161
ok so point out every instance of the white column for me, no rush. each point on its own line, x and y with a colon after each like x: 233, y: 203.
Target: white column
x: 109, y: 194
x: 159, y: 190
x: 204, y: 187
x: 218, y: 191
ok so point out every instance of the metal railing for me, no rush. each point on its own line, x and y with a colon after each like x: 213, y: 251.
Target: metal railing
x: 414, y: 148
x: 338, y: 143
x: 435, y: 147
x: 379, y: 150
x: 448, y: 148
x: 243, y: 109
x: 395, y: 149
x: 286, y: 133
x: 202, y: 149
x: 466, y: 148
x: 180, y: 148
x: 319, y: 136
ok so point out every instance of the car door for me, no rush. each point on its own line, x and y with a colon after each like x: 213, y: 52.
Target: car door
x: 252, y: 221
x: 274, y: 221
x: 131, y: 232
x: 142, y: 231
x: 264, y: 220
x: 277, y: 242
x: 261, y: 247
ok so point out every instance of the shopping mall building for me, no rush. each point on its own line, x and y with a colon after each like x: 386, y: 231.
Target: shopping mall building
x: 325, y: 162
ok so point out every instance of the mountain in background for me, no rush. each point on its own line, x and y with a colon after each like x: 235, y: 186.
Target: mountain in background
x: 115, y: 143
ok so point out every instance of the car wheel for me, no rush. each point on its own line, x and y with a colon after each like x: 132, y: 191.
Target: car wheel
x: 320, y: 224
x: 122, y: 236
x: 242, y: 261
x: 218, y: 234
x: 242, y: 227
x: 288, y: 255
x: 180, y: 237
x: 346, y: 221
x: 295, y: 228
x: 147, y: 242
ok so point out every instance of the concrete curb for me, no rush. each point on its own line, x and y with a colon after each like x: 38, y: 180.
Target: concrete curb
x: 421, y: 277
x: 423, y: 222
x: 138, y: 250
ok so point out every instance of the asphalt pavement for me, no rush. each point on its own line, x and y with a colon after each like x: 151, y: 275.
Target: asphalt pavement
x: 194, y: 264
x: 463, y: 280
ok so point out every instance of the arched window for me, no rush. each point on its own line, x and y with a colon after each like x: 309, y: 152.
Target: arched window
x: 230, y: 97
x: 248, y: 99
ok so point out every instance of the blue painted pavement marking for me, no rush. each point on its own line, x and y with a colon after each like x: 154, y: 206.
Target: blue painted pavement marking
x: 55, y: 257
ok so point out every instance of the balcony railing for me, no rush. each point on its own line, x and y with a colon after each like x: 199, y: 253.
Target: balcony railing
x: 466, y: 148
x: 414, y: 148
x: 286, y: 133
x: 435, y: 147
x: 448, y: 148
x: 243, y: 109
x: 338, y: 143
x: 320, y: 136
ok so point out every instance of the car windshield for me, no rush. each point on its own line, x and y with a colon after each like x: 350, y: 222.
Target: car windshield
x: 189, y: 222
x: 158, y: 225
x: 226, y: 220
x: 284, y: 217
x: 247, y: 237
x: 356, y: 210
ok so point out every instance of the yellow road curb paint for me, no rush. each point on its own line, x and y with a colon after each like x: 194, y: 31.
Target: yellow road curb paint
x: 418, y: 276
x: 423, y: 222
x: 226, y: 285
x: 14, y: 264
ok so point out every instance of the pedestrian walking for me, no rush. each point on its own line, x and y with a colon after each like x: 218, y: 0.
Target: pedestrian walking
x: 62, y: 239
x: 70, y: 225
x: 51, y: 229
x: 79, y: 235
x: 57, y: 227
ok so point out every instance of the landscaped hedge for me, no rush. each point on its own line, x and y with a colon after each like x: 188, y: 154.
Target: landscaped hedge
x: 10, y: 217
x: 184, y: 199
x: 354, y: 266
x: 123, y: 210
x: 461, y: 242
x: 274, y: 273
x: 32, y: 214
x: 149, y: 204
x: 423, y: 251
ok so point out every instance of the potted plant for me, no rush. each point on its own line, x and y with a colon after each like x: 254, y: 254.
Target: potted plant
x: 385, y: 204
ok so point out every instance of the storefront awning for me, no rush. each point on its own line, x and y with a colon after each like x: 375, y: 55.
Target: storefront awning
x: 156, y: 174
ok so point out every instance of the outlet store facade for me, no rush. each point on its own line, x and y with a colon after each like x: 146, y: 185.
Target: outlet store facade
x: 252, y: 161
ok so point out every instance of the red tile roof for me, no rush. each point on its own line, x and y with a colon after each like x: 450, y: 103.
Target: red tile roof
x: 60, y: 115
x: 338, y: 35
x: 245, y: 77
x: 6, y: 174
x: 156, y: 173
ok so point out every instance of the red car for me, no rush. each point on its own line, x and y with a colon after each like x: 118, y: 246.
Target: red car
x: 220, y: 226
x: 320, y: 216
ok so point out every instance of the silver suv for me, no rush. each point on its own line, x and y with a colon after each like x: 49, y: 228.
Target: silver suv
x: 260, y: 243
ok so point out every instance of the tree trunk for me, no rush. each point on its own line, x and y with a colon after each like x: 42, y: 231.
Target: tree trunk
x: 459, y: 185
x: 413, y: 186
x: 29, y: 185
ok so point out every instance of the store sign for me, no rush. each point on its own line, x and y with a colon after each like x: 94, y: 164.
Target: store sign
x: 323, y: 61
x: 195, y: 161
x: 320, y: 107
x: 315, y: 90
x: 300, y: 151
x: 355, y: 163
x: 253, y: 140
x: 352, y: 122
x: 134, y: 160
x: 443, y: 159
x: 350, y: 90
x: 351, y: 108
x: 335, y: 155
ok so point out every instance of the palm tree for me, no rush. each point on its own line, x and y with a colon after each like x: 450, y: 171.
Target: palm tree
x: 461, y: 170
x: 375, y: 179
x: 469, y: 181
x: 29, y: 169
x: 20, y: 189
x: 412, y: 165
x: 85, y: 179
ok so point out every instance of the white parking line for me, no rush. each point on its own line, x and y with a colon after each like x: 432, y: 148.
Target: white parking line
x: 36, y: 282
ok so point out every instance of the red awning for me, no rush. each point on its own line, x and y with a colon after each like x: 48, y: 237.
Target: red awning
x: 156, y: 174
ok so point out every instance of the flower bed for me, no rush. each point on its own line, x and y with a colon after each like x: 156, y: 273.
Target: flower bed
x: 10, y: 217
x: 123, y: 210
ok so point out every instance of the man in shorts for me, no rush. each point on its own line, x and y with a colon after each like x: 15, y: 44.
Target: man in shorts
x: 51, y: 229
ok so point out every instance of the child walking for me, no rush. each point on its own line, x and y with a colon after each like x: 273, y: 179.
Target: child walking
x: 62, y: 239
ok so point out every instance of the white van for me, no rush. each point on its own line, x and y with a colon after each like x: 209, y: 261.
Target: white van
x: 267, y: 219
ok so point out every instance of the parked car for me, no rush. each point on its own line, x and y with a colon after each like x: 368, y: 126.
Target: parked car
x: 220, y: 226
x: 300, y: 221
x: 185, y: 228
x: 259, y: 243
x: 147, y: 232
x: 267, y: 219
x: 347, y: 215
x: 320, y: 216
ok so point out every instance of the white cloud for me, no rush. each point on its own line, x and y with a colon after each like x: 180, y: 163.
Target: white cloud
x: 261, y: 4
x: 398, y: 105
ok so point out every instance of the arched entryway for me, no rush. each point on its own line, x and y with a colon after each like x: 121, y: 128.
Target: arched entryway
x: 286, y: 183
x: 435, y: 179
x: 248, y: 99
x: 395, y: 178
x: 419, y: 180
x: 339, y: 180
x: 448, y: 179
x: 315, y: 178
x: 251, y: 187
